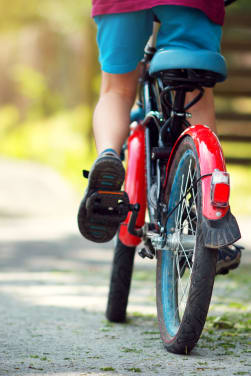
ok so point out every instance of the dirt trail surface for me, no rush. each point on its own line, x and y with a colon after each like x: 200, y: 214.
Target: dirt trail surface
x: 53, y: 289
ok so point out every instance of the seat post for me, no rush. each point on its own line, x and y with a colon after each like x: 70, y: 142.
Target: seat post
x: 179, y: 101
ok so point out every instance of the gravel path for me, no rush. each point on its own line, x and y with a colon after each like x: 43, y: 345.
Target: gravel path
x: 53, y: 288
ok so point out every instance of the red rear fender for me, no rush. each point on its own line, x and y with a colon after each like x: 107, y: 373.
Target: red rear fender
x: 210, y: 158
x: 219, y: 226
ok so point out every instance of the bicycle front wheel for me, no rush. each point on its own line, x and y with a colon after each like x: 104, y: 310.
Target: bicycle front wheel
x: 186, y: 269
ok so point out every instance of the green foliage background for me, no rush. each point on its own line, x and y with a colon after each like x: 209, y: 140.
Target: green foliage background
x: 49, y: 86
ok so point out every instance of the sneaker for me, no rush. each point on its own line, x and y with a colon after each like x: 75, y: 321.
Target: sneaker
x: 228, y: 258
x: 107, y: 174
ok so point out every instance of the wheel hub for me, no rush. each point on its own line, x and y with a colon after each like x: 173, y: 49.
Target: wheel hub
x: 177, y: 241
x: 173, y: 242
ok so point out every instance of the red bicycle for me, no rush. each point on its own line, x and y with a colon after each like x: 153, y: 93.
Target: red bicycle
x: 177, y: 172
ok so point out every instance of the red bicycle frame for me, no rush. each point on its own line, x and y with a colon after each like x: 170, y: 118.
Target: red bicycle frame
x: 210, y: 158
x: 135, y: 182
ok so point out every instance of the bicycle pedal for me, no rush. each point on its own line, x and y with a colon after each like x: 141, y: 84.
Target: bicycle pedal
x: 109, y: 206
x: 145, y: 252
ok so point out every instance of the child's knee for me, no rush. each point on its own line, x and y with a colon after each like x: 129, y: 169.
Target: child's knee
x: 124, y: 85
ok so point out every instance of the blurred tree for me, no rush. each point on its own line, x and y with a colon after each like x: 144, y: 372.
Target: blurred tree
x: 13, y: 16
x: 34, y: 86
x: 53, y: 45
x: 68, y: 14
x: 49, y: 87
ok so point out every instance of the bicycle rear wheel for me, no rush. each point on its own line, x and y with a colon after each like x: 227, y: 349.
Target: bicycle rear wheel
x: 121, y: 275
x: 186, y: 270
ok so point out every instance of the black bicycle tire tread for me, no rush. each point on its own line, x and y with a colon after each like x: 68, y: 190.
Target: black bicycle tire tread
x: 120, y: 282
x: 197, y: 305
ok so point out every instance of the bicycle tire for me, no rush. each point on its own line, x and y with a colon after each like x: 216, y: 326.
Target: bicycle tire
x: 120, y: 282
x: 185, y: 278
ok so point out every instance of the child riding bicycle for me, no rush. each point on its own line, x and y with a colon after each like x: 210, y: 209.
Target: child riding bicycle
x: 123, y: 29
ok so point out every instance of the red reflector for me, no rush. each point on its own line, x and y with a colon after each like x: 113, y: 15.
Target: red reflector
x: 220, y: 194
x: 220, y: 188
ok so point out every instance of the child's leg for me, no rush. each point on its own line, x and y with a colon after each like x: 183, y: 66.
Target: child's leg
x: 111, y: 126
x: 112, y: 114
x: 121, y: 40
x: 203, y: 112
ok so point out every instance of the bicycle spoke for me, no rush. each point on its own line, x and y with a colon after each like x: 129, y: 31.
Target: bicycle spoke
x: 194, y: 195
x: 179, y: 207
x: 188, y: 262
x: 178, y: 268
x: 185, y: 222
x: 182, y: 194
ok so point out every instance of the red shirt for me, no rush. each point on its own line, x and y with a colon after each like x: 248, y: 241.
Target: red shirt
x: 214, y: 9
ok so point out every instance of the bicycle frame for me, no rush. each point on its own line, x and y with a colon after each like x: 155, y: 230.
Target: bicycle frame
x: 153, y: 143
x: 135, y: 172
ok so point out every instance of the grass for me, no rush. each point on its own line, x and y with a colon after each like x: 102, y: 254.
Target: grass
x: 107, y: 369
x: 228, y: 325
x: 134, y: 369
x: 144, y: 276
x: 130, y: 350
x: 226, y: 333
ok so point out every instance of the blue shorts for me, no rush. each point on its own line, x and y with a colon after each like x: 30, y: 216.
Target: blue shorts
x: 121, y: 37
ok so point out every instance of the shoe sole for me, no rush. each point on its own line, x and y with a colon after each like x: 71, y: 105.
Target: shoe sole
x: 107, y: 174
x: 222, y: 267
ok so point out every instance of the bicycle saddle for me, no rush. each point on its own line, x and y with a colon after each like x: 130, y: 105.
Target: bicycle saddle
x: 181, y: 58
